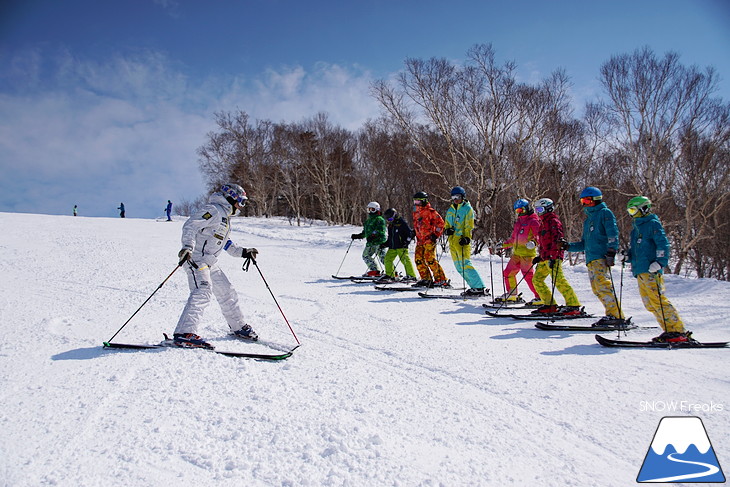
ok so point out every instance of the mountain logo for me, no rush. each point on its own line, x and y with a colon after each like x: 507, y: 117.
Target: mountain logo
x: 681, y: 452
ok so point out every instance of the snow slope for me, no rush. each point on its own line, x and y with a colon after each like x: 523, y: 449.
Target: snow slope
x: 387, y: 388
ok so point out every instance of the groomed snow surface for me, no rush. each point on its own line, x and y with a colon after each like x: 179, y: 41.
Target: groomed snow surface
x: 387, y: 389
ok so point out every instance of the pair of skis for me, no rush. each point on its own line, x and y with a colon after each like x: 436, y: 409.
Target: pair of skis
x: 166, y: 344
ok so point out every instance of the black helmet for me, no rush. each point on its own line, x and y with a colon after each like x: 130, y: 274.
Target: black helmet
x: 421, y: 195
x: 390, y: 214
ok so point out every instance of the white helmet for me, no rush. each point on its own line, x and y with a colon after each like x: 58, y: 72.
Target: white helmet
x: 374, y: 205
x: 544, y: 205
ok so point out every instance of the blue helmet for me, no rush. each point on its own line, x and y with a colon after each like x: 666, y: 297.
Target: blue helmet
x: 521, y: 203
x: 458, y: 191
x: 592, y: 192
x: 591, y: 196
x: 522, y: 206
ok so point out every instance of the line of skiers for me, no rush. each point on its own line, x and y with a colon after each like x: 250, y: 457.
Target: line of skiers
x: 537, y: 229
x: 538, y: 248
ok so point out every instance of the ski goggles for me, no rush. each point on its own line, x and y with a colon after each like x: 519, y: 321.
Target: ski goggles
x: 632, y: 210
x: 419, y: 202
x: 520, y: 210
x: 372, y: 210
x: 231, y: 193
x: 539, y: 210
x: 587, y: 201
x: 455, y: 197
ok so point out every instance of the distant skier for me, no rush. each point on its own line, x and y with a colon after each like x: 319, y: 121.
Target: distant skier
x: 76, y: 210
x: 399, y: 238
x: 375, y: 234
x: 168, y: 210
x: 549, y: 261
x: 649, y: 255
x: 204, y: 236
x: 428, y: 226
x: 121, y: 210
x: 459, y: 225
x: 600, y: 243
x: 523, y: 242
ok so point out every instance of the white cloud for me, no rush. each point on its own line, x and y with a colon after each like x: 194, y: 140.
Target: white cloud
x: 127, y: 129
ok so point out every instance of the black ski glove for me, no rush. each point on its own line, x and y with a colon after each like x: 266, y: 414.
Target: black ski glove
x: 464, y: 241
x: 250, y: 253
x: 449, y: 232
x: 433, y: 238
x: 356, y: 236
x: 184, y: 255
x: 610, y: 257
x: 536, y: 260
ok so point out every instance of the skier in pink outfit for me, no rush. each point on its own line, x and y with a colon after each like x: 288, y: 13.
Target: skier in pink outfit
x: 523, y: 242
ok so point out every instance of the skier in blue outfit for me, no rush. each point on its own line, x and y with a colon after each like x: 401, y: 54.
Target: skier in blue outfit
x: 168, y: 210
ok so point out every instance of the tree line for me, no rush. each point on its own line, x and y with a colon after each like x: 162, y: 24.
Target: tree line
x: 657, y: 130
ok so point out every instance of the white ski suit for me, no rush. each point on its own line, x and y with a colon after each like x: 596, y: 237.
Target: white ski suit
x: 206, y: 234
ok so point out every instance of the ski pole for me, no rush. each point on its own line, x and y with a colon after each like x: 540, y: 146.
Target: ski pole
x: 463, y: 270
x: 150, y: 297
x: 491, y: 272
x: 615, y: 296
x: 661, y: 304
x: 245, y: 268
x: 343, y: 259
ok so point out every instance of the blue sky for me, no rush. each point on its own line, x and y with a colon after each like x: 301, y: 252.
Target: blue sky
x: 104, y: 101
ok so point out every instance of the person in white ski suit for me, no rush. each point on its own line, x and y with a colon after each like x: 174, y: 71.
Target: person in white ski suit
x: 204, y: 237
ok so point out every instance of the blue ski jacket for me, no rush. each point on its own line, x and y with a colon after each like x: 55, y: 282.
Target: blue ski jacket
x: 600, y: 233
x: 649, y: 244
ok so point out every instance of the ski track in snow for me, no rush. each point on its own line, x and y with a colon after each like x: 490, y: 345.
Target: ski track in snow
x: 386, y: 389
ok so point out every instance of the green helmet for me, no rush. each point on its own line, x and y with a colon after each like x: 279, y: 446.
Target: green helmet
x: 639, y: 206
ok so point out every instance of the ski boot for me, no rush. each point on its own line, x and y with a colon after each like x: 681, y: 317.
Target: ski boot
x: 476, y: 291
x: 246, y: 333
x: 570, y: 310
x: 545, y: 309
x: 189, y: 340
x: 385, y: 279
x: 610, y: 321
x: 673, y: 337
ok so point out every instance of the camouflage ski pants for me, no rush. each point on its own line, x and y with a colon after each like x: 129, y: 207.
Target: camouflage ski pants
x: 426, y: 263
x: 652, y: 291
x: 602, y: 286
x: 373, y: 255
x: 542, y: 271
